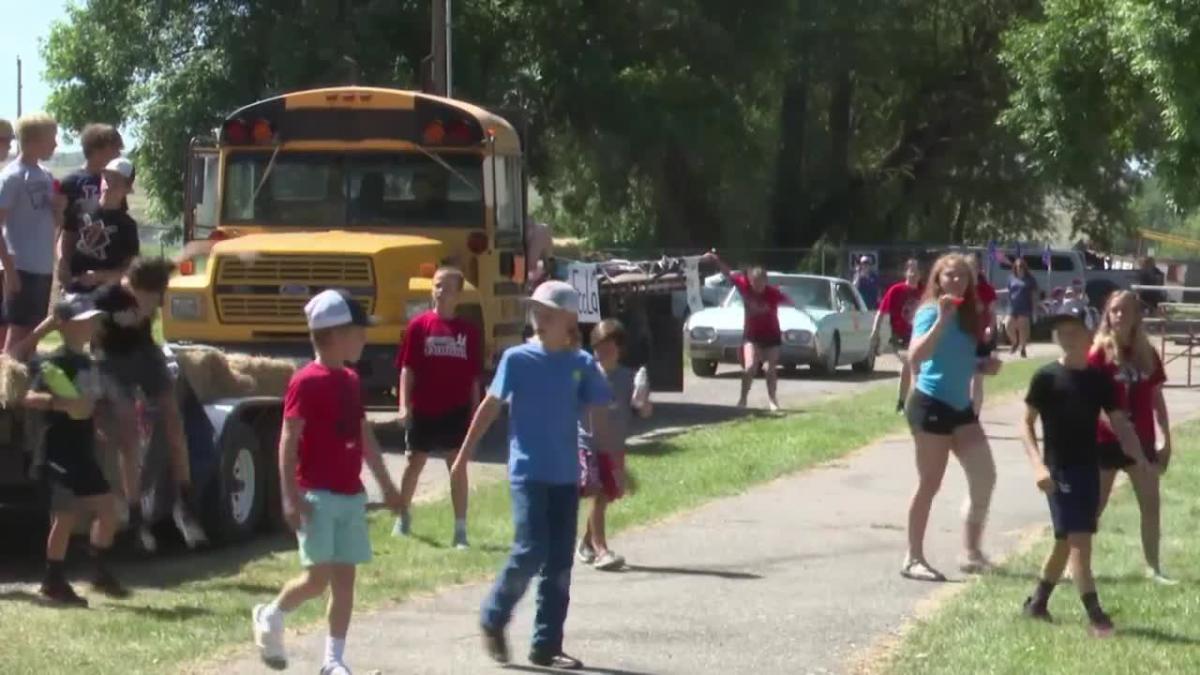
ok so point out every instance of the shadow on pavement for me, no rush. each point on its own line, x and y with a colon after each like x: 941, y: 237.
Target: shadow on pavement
x: 807, y: 375
x: 694, y: 572
x: 1156, y: 635
x: 586, y: 669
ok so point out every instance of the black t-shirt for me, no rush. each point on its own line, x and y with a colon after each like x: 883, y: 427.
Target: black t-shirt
x: 82, y: 190
x: 108, y: 240
x: 122, y: 330
x: 1069, y: 402
x: 65, y: 435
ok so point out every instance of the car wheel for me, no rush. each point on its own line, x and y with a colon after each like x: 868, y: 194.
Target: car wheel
x: 702, y: 368
x: 829, y: 359
x: 867, y: 365
x: 236, y: 497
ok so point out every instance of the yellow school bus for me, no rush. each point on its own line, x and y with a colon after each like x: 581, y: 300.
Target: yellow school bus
x: 357, y: 188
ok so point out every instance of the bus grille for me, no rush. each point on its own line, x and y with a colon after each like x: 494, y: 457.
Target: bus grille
x: 266, y: 309
x: 301, y: 269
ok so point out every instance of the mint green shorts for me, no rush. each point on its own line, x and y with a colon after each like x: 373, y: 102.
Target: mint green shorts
x: 336, y: 530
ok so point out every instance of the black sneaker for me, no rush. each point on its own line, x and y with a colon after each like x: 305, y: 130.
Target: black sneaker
x: 1037, y: 611
x: 59, y: 592
x: 1100, y: 626
x: 559, y: 661
x: 106, y: 584
x: 495, y: 644
x: 900, y: 406
x: 1023, y: 354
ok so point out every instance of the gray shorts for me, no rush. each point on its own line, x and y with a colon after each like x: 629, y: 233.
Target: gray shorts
x: 30, y: 305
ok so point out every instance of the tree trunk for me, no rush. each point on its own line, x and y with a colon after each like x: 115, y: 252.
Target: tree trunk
x: 789, y: 202
x: 840, y: 105
x: 686, y: 216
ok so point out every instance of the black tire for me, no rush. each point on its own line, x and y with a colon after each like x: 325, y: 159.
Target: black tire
x: 866, y: 366
x: 230, y: 514
x: 701, y: 368
x: 826, y: 366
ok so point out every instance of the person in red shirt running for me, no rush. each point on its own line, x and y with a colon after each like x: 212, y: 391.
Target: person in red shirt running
x: 898, y: 305
x: 987, y: 336
x: 440, y: 363
x: 1123, y: 350
x: 324, y: 441
x: 760, y: 334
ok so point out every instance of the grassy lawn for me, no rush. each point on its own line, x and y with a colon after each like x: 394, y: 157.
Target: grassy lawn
x: 164, y: 626
x: 982, y: 631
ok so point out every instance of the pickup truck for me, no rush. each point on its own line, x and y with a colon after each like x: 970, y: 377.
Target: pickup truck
x: 1068, y: 268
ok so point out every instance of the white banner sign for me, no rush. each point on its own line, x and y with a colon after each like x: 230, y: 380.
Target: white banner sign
x: 692, y: 270
x: 585, y: 278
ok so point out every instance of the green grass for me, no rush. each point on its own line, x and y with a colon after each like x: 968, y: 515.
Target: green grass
x: 162, y: 627
x: 982, y: 631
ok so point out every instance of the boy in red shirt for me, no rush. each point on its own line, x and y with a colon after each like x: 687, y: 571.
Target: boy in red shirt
x: 987, y: 339
x: 761, y: 336
x: 323, y: 444
x: 440, y: 362
x: 898, y: 305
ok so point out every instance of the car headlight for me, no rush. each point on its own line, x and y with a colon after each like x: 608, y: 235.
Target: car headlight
x: 187, y: 307
x: 412, y: 308
x: 798, y: 337
x: 703, y: 334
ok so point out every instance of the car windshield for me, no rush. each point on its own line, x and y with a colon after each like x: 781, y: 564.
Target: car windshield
x: 805, y: 293
x: 326, y: 189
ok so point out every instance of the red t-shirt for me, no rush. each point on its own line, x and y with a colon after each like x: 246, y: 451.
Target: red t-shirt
x: 1135, y: 393
x: 329, y: 400
x: 901, y: 302
x: 446, y: 360
x: 986, y: 293
x: 761, y: 309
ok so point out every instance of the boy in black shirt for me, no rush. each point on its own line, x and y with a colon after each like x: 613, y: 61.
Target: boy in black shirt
x: 66, y: 387
x: 130, y: 360
x: 1069, y: 397
x: 106, y: 240
x: 101, y: 143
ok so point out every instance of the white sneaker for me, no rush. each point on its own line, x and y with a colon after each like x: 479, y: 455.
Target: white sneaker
x: 773, y: 407
x: 1159, y: 578
x: 146, y: 539
x: 268, y: 637
x: 609, y: 562
x: 584, y: 553
x: 460, y: 541
x: 193, y: 534
x: 335, y: 668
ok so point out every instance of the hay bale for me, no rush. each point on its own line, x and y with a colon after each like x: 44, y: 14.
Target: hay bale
x: 270, y: 376
x: 210, y: 375
x: 14, y: 381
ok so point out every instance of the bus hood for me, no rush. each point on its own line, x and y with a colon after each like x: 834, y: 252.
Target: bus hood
x: 325, y: 241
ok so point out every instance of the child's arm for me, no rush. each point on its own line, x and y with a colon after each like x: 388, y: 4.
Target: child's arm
x: 407, y: 381
x: 1029, y: 436
x: 295, y: 508
x: 1130, y: 444
x: 485, y: 416
x: 28, y: 345
x: 1164, y: 429
x: 373, y: 456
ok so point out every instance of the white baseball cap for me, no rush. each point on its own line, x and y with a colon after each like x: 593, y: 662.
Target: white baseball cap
x: 124, y: 167
x: 76, y: 307
x: 332, y: 308
x: 556, y: 295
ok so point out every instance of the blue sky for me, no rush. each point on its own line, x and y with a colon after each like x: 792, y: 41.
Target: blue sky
x: 25, y: 26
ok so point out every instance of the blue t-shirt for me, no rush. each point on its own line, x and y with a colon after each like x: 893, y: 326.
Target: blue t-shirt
x: 946, y: 374
x: 868, y: 288
x: 547, y: 392
x: 27, y: 195
x: 1020, y: 295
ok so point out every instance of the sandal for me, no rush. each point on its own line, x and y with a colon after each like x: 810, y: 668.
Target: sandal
x: 919, y: 570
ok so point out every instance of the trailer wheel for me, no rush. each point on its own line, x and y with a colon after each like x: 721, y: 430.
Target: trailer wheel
x: 702, y: 368
x: 236, y: 497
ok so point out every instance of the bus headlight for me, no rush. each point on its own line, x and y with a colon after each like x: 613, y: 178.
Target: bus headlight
x: 187, y: 307
x: 798, y: 337
x: 412, y: 308
x: 703, y: 334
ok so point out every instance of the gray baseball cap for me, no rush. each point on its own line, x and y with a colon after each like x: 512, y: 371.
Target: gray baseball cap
x: 556, y: 295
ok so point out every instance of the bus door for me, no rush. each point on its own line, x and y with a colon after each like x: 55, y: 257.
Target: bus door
x: 505, y: 188
x: 200, y: 187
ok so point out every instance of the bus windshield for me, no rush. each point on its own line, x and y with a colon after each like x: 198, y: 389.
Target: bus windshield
x: 369, y: 189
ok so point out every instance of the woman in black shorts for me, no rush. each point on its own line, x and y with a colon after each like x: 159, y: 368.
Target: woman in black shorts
x: 943, y: 353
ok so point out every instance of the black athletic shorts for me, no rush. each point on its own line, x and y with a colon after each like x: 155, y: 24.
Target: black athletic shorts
x: 1075, y: 502
x: 985, y: 349
x: 144, y: 368
x: 31, y: 304
x: 438, y: 434
x: 932, y: 416
x: 769, y: 342
x: 76, y: 471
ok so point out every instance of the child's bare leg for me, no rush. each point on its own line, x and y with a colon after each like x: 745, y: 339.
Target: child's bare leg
x: 341, y: 608
x: 408, y: 482
x: 61, y: 524
x: 304, y: 588
x: 1052, y: 571
x: 104, y: 527
x: 1081, y: 562
x: 596, y: 525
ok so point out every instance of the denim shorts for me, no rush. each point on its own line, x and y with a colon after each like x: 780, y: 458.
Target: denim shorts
x: 336, y: 530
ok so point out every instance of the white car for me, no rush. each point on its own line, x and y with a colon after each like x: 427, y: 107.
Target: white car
x: 828, y: 325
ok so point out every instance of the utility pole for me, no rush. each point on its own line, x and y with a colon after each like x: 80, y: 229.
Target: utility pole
x: 19, y: 87
x: 441, y: 77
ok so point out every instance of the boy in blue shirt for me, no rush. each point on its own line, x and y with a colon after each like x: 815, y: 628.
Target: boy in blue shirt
x: 548, y: 384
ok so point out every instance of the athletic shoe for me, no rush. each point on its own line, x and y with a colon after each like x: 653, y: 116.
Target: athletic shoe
x: 335, y: 668
x: 59, y: 592
x: 460, y: 541
x: 193, y: 534
x: 559, y: 661
x: 1100, y: 626
x: 495, y: 644
x: 1159, y: 578
x: 900, y: 406
x: 1023, y: 354
x: 773, y: 407
x: 609, y: 562
x: 146, y: 540
x: 106, y: 584
x: 584, y: 553
x: 268, y: 637
x: 403, y: 525
x: 1035, y: 611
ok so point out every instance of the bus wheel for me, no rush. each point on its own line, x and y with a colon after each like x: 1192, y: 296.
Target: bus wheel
x: 236, y: 496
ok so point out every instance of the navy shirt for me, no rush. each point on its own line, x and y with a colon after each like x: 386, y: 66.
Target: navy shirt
x: 868, y: 288
x: 1020, y: 294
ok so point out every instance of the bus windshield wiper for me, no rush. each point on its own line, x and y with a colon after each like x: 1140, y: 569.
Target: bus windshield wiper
x: 445, y: 165
x: 266, y: 174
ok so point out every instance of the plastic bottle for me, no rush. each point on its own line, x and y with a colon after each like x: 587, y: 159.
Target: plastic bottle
x: 641, y: 386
